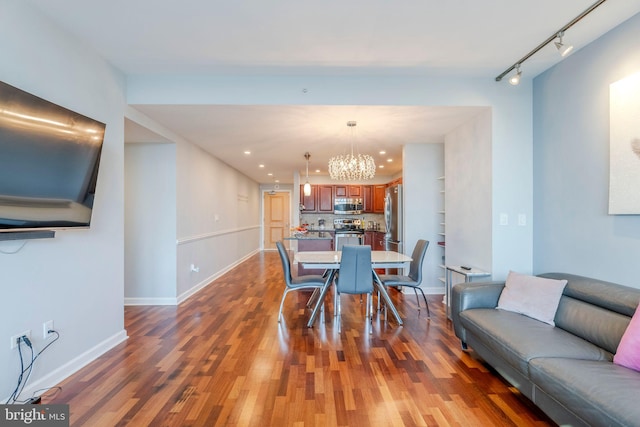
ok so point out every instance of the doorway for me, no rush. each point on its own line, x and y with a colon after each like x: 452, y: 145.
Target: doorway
x: 276, y: 217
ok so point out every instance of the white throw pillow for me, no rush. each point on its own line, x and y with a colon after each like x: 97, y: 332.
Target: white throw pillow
x: 535, y: 297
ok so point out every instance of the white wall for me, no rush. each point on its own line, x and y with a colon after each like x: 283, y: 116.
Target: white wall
x: 468, y: 199
x: 208, y: 212
x: 423, y: 164
x: 218, y: 217
x: 573, y: 231
x: 150, y: 224
x: 76, y: 279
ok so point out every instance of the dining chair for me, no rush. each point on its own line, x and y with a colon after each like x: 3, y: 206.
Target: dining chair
x: 313, y: 281
x: 355, y: 276
x: 414, y: 279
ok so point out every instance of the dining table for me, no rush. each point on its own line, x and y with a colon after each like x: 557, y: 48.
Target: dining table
x: 330, y: 261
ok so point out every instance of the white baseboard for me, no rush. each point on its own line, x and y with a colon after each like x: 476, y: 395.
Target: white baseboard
x: 190, y: 292
x: 73, y: 366
x: 428, y: 290
x: 150, y: 301
x: 206, y: 282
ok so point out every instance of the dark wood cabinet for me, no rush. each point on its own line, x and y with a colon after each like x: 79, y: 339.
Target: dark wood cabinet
x: 325, y: 198
x: 367, y: 198
x: 340, y: 190
x: 348, y: 191
x: 313, y: 245
x: 378, y: 198
x: 368, y: 238
x: 378, y: 241
x: 322, y: 197
x: 354, y: 191
x: 309, y: 202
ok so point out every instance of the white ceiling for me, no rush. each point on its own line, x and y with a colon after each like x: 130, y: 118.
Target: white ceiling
x: 353, y: 37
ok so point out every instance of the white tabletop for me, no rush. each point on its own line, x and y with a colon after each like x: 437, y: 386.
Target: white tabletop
x: 331, y: 259
x: 470, y: 273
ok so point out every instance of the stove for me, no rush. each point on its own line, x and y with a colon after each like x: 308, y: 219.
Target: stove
x: 348, y: 231
x: 348, y: 226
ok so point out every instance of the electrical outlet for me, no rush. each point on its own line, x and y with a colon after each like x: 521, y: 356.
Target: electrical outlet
x: 15, y: 340
x: 46, y: 327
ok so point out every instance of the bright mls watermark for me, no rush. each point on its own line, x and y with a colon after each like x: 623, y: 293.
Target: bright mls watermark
x: 34, y: 415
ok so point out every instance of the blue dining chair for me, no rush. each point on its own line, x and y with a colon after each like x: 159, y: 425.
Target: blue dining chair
x: 314, y: 281
x: 355, y: 276
x: 414, y: 279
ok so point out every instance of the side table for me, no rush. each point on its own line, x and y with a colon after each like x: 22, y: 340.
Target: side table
x: 469, y: 275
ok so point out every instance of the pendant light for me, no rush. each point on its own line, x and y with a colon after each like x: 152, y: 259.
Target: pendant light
x: 307, y: 186
x: 352, y: 167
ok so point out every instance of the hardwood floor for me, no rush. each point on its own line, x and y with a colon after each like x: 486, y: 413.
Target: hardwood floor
x: 222, y: 359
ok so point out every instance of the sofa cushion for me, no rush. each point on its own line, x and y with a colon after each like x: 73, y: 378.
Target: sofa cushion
x: 601, y: 393
x: 518, y: 339
x: 532, y: 296
x: 628, y: 353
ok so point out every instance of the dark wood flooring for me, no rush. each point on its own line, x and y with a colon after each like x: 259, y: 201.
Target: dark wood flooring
x: 222, y: 359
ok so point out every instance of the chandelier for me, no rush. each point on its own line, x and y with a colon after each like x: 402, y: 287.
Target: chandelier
x: 352, y: 167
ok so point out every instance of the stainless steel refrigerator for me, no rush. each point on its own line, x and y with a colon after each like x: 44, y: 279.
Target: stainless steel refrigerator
x: 393, y: 218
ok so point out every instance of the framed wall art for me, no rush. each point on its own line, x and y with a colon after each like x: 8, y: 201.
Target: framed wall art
x: 624, y: 146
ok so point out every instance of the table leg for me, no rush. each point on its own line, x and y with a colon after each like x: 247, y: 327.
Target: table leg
x: 320, y: 300
x: 386, y: 297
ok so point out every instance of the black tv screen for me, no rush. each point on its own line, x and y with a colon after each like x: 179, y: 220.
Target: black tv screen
x: 49, y: 159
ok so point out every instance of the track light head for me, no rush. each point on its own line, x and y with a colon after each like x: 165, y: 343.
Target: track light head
x: 563, y: 49
x: 515, y: 79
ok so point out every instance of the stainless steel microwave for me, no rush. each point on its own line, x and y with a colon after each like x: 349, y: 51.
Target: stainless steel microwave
x: 347, y: 206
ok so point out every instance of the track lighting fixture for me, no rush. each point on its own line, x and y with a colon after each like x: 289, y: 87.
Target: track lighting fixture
x: 515, y: 79
x: 557, y: 35
x: 563, y: 49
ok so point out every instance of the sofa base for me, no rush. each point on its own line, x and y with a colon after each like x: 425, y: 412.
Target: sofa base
x: 555, y: 410
x: 514, y: 377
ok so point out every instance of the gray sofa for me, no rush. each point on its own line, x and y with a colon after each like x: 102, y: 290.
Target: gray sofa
x: 566, y: 370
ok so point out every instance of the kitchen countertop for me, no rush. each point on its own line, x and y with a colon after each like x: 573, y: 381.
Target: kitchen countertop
x: 312, y: 235
x: 317, y: 234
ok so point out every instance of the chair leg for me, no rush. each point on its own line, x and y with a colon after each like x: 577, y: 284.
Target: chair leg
x: 312, y: 298
x: 284, y: 295
x: 370, y: 310
x: 417, y: 299
x: 425, y: 300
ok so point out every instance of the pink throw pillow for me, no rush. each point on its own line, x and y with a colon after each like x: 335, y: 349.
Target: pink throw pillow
x: 628, y: 353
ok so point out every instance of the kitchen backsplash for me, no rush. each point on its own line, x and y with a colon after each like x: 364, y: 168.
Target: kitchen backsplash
x: 312, y: 219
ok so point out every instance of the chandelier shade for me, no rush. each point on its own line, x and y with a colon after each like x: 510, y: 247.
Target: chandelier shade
x: 352, y: 167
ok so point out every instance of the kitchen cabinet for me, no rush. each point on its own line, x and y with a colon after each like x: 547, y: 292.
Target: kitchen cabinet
x: 377, y: 205
x: 377, y: 244
x: 325, y: 198
x: 367, y: 198
x: 348, y: 191
x: 368, y: 238
x: 395, y: 181
x: 378, y: 241
x: 314, y: 245
x: 309, y: 202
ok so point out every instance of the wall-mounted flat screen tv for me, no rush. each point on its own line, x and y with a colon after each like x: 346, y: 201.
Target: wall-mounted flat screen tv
x: 49, y: 158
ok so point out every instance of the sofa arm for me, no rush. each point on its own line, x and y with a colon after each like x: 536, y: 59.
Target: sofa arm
x: 468, y: 295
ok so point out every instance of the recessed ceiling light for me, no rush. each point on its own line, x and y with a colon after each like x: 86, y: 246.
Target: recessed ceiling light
x: 381, y: 167
x: 382, y: 153
x: 389, y: 160
x: 317, y: 170
x: 277, y: 180
x: 247, y: 152
x: 270, y: 174
x: 260, y: 166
